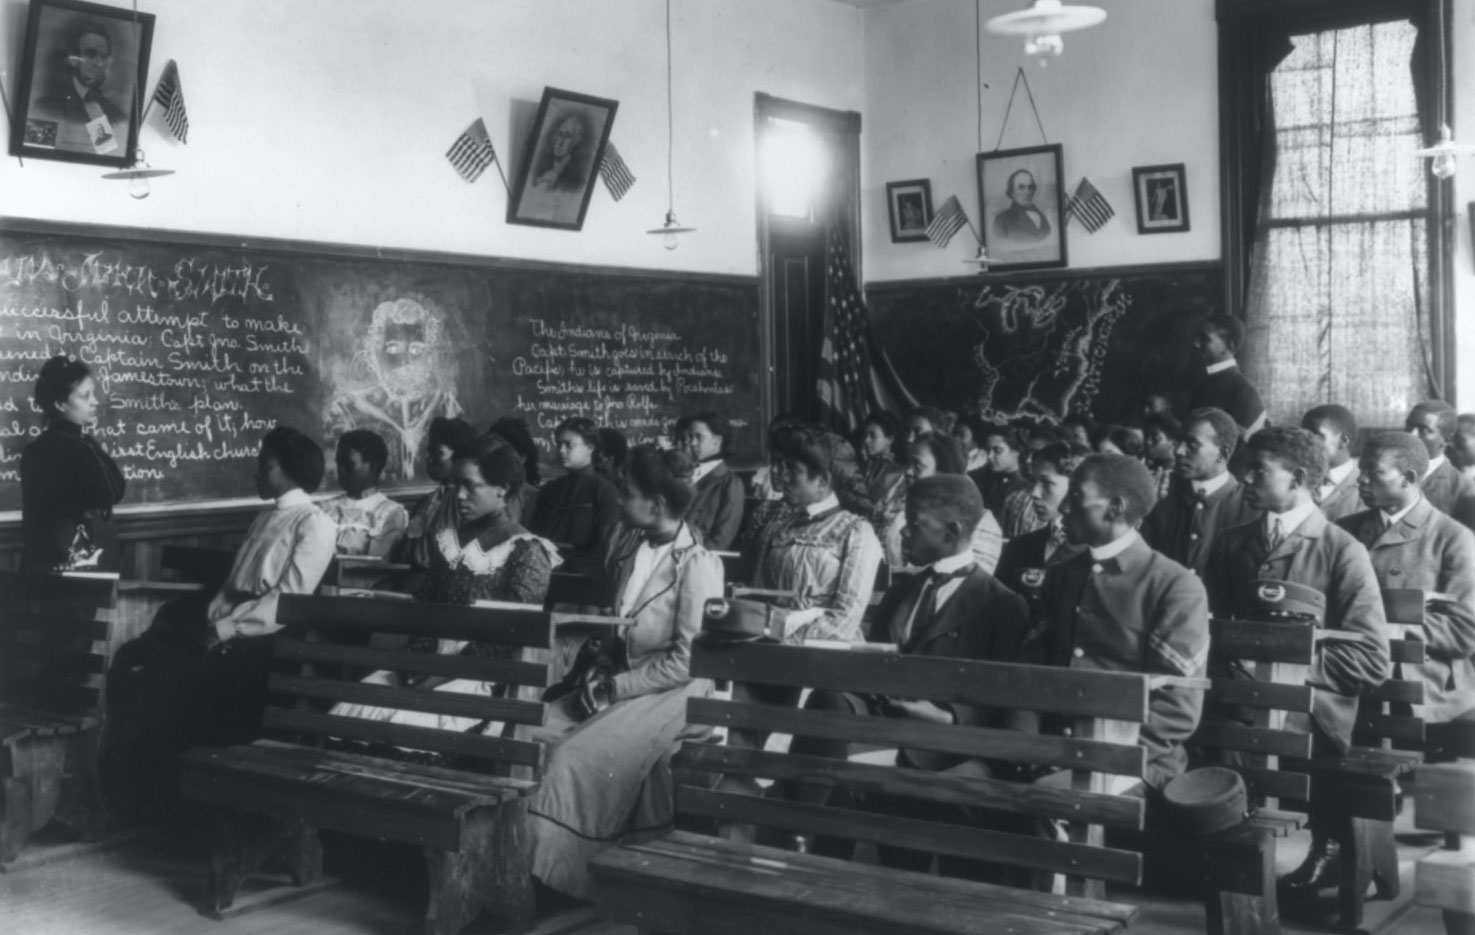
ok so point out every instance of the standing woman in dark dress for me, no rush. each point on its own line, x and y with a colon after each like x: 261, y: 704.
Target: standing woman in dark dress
x: 69, y: 485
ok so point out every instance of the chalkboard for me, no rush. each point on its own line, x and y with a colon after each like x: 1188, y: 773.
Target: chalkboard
x: 1042, y: 346
x: 200, y: 345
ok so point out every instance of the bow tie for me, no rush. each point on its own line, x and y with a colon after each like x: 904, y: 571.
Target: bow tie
x: 940, y: 578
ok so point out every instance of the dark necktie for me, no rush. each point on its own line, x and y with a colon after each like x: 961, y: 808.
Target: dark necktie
x: 926, y: 607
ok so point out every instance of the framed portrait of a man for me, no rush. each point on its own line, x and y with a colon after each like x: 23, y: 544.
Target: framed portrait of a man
x: 1162, y: 203
x: 560, y: 161
x: 1022, y: 207
x: 82, y: 75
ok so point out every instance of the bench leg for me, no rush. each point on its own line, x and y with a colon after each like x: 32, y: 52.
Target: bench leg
x: 1383, y: 859
x: 1357, y: 871
x: 1249, y: 867
x: 493, y: 870
x: 15, y: 817
x: 30, y: 786
x: 245, y: 844
x: 82, y: 805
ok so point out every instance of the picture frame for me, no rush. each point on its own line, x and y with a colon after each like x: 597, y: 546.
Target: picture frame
x: 1161, y: 194
x: 560, y: 160
x: 1021, y: 200
x: 909, y: 206
x: 84, y: 67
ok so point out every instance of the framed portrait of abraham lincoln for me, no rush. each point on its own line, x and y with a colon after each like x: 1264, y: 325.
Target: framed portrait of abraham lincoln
x: 82, y: 81
x: 560, y: 161
x: 1022, y: 207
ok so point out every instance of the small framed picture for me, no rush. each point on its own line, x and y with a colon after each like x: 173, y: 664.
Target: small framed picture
x: 910, y: 206
x: 83, y: 68
x: 560, y: 162
x: 1022, y: 207
x: 1162, y: 199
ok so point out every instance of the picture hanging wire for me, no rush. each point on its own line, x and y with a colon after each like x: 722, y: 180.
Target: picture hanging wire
x: 138, y: 173
x: 1019, y: 77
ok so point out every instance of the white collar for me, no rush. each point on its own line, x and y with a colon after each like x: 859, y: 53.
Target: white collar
x: 1291, y: 519
x: 1221, y: 366
x: 1434, y: 465
x: 294, y: 497
x: 946, y: 566
x: 1210, y: 486
x: 828, y: 503
x: 704, y: 468
x: 1336, y: 475
x: 1396, y: 518
x: 1100, y: 553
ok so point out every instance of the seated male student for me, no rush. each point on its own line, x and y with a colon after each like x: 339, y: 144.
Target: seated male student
x: 1413, y: 545
x: 1435, y: 423
x: 1294, y: 542
x: 1337, y: 429
x: 1223, y: 385
x: 1119, y: 606
x: 1206, y: 499
x: 953, y: 608
x: 1026, y: 558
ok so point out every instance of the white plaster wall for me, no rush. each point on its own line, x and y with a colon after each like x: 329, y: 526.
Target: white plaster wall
x: 1140, y: 89
x: 328, y: 120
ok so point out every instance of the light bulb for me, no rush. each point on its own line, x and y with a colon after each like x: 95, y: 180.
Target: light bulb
x: 670, y: 241
x: 1043, y: 44
x: 138, y: 187
x: 1443, y: 166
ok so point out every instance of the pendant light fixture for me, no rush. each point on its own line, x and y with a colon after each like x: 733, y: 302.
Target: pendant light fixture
x: 1443, y: 156
x: 139, y: 172
x: 671, y: 230
x: 1042, y: 24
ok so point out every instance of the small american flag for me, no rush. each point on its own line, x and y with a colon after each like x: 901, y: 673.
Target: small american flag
x: 1089, y: 207
x: 170, y: 95
x: 617, y: 176
x: 472, y: 152
x: 948, y: 220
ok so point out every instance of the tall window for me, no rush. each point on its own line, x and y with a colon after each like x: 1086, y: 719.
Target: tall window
x: 1338, y: 298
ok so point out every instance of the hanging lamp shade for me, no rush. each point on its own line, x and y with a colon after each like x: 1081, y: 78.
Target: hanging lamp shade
x: 137, y: 175
x: 1042, y: 24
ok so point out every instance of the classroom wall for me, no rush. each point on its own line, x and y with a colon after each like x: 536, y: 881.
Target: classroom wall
x: 1140, y: 89
x: 1462, y: 36
x: 329, y: 120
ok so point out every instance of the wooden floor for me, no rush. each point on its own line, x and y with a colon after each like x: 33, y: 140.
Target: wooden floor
x: 146, y: 885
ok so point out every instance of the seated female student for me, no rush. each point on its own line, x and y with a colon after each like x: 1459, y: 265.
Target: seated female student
x: 489, y: 556
x: 515, y: 432
x: 928, y: 456
x: 369, y: 523
x: 880, y: 474
x: 69, y: 485
x: 717, y: 511
x: 607, y: 781
x: 579, y: 510
x: 438, y: 509
x: 286, y: 551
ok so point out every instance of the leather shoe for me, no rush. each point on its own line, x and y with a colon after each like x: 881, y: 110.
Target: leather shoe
x: 1320, y: 870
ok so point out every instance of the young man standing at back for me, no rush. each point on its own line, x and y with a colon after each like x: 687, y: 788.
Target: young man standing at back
x: 1224, y: 386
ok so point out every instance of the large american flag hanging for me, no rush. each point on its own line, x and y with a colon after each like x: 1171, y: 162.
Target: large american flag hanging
x: 855, y: 376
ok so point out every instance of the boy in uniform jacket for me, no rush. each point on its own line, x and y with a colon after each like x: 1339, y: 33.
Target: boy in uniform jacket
x: 1205, y: 499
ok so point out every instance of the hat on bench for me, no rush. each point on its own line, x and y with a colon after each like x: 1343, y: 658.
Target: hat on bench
x: 1286, y: 600
x: 734, y: 619
x: 1203, y: 801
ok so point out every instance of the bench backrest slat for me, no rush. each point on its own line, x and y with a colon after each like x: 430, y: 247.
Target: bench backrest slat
x: 1005, y: 745
x: 53, y: 641
x: 1001, y: 847
x: 348, y: 615
x: 1071, y: 692
x: 1384, y: 715
x: 358, y: 657
x: 449, y: 703
x: 867, y: 778
x: 1262, y: 640
x: 491, y: 749
x: 580, y: 590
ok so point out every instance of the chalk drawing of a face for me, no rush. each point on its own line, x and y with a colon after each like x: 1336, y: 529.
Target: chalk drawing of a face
x: 403, y: 344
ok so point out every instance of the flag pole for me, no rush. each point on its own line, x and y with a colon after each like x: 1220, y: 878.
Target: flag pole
x: 497, y: 161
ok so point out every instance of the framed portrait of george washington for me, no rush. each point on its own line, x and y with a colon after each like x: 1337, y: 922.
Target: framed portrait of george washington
x: 560, y: 161
x: 81, y: 87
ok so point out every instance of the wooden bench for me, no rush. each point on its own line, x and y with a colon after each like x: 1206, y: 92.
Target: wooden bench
x: 54, y: 633
x: 273, y: 796
x: 1444, y: 800
x: 1239, y: 864
x: 696, y: 883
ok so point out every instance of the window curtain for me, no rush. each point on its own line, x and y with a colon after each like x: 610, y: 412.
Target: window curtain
x: 1338, y: 272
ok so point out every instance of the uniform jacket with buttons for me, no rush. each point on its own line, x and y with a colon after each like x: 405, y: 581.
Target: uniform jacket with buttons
x: 1429, y: 551
x: 1320, y: 555
x: 1137, y: 612
x: 1022, y: 566
x: 1183, y: 526
x: 1452, y: 493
